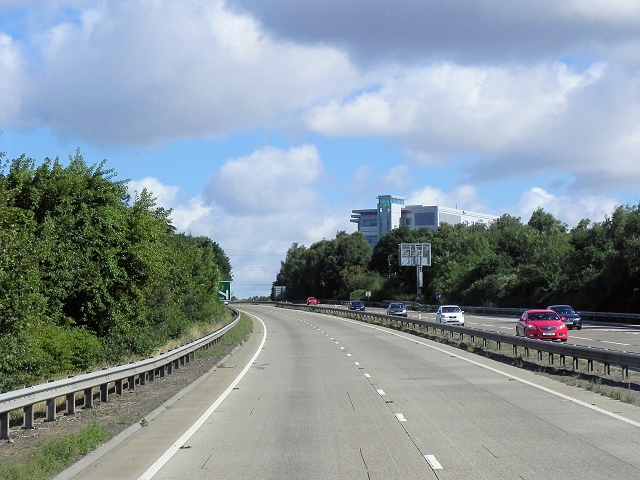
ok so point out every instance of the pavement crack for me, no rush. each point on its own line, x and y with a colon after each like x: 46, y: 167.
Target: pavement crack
x: 366, y: 467
x: 350, y: 400
x: 494, y: 455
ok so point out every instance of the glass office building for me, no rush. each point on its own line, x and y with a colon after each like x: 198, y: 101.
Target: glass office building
x: 392, y: 213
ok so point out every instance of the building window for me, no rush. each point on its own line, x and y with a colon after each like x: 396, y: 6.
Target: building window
x: 370, y: 223
x: 425, y: 218
x: 372, y: 240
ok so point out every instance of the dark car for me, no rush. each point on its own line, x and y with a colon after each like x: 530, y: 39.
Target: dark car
x: 356, y: 305
x: 568, y: 315
x: 397, y: 308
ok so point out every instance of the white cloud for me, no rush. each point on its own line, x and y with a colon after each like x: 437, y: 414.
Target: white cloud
x: 612, y: 11
x: 10, y: 78
x: 141, y: 72
x: 464, y: 197
x: 164, y: 194
x: 269, y: 180
x: 458, y: 108
x: 568, y: 209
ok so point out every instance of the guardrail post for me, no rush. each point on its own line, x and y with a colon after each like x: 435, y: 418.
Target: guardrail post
x: 607, y: 369
x: 576, y: 363
x: 143, y: 378
x: 151, y: 375
x: 169, y: 368
x: 131, y: 383
x: 104, y: 392
x: 27, y: 417
x: 70, y: 407
x: 51, y: 410
x: 119, y: 383
x: 562, y: 360
x: 526, y: 352
x: 625, y: 372
x: 4, y: 426
x: 550, y: 358
x: 539, y: 355
x: 88, y: 397
x: 515, y: 350
x: 590, y: 365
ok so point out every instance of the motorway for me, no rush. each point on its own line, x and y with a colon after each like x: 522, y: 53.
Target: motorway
x: 320, y: 397
x: 593, y: 334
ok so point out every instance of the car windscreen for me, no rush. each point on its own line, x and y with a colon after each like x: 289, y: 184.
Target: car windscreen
x: 450, y: 309
x: 564, y: 310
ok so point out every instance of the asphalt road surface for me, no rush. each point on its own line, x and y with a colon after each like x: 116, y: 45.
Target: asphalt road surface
x: 329, y: 398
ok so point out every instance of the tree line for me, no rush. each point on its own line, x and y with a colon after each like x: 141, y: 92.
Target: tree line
x: 593, y: 266
x: 89, y: 274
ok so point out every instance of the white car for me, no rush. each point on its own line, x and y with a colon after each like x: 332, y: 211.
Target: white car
x: 450, y: 314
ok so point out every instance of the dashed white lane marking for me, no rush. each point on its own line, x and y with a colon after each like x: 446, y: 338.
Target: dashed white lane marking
x: 380, y: 392
x: 357, y: 363
x: 505, y: 374
x: 400, y: 417
x: 435, y: 464
x: 616, y: 343
x: 367, y: 375
x: 581, y: 338
x: 171, y: 451
x: 348, y: 354
x: 341, y: 348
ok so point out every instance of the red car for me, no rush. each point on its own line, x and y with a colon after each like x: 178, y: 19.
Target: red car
x: 312, y: 301
x: 542, y: 324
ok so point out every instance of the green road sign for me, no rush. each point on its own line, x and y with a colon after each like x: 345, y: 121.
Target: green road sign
x: 224, y: 291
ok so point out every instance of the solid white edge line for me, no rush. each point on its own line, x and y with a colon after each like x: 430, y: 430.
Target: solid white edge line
x: 171, y: 451
x: 505, y: 374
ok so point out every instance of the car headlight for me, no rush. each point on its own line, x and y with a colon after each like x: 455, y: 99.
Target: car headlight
x: 532, y: 327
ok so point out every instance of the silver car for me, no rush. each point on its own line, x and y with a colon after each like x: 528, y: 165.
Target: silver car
x: 396, y: 308
x: 450, y: 314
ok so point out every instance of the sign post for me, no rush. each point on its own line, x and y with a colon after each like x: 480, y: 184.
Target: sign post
x: 415, y: 254
x: 224, y: 291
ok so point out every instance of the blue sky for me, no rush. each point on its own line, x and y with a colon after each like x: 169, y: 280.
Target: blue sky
x: 265, y: 122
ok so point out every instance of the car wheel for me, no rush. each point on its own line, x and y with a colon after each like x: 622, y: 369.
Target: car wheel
x: 579, y: 327
x: 563, y: 339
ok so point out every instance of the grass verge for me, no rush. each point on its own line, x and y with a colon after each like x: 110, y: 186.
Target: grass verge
x: 49, y: 457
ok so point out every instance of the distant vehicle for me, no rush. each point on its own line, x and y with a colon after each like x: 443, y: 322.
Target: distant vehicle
x: 542, y: 324
x: 356, y: 305
x: 396, y: 308
x: 450, y: 314
x: 568, y: 315
x: 312, y: 301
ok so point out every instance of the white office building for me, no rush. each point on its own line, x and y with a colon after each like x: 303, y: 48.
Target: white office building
x: 392, y: 213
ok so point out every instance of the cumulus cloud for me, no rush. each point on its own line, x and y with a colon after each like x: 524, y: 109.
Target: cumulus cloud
x: 269, y: 180
x: 10, y: 78
x: 568, y: 209
x: 458, y: 108
x: 464, y: 197
x: 143, y: 72
x: 164, y: 194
